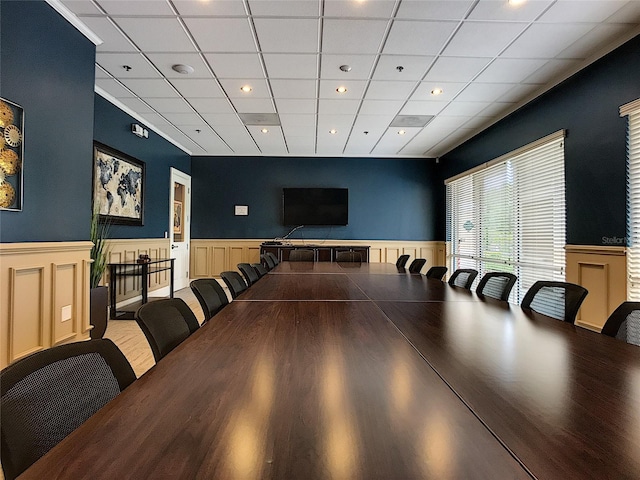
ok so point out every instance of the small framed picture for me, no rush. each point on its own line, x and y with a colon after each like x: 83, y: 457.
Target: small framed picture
x: 242, y: 210
x: 177, y: 216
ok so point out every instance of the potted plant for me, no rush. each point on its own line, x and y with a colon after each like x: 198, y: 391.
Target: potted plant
x: 98, y: 293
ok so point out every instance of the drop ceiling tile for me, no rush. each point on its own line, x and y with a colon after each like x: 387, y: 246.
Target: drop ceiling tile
x: 221, y: 34
x: 496, y: 109
x: 391, y: 142
x: 520, y: 92
x: 349, y: 8
x: 545, y: 40
x: 243, y: 147
x: 293, y: 120
x: 217, y: 120
x: 368, y: 129
x: 418, y: 38
x: 259, y: 87
x: 552, y: 69
x: 412, y: 67
x: 301, y: 146
x: 499, y: 10
x: 456, y: 69
x: 113, y: 40
x: 484, y: 92
x: 82, y: 7
x: 352, y: 36
x: 237, y: 131
x: 423, y: 107
x: 293, y: 88
x: 342, y: 123
x: 360, y: 66
x: 512, y: 70
x: 483, y: 39
x: 118, y: 7
x: 338, y: 107
x: 333, y: 148
x: 136, y: 105
x: 253, y: 105
x: 164, y: 62
x: 355, y: 89
x: 383, y: 90
x: 170, y: 105
x: 308, y: 131
x: 271, y: 143
x: 184, y: 119
x: 156, y: 34
x: 592, y: 41
x: 479, y: 122
x: 198, y: 87
x: 217, y: 8
x: 629, y: 13
x: 285, y: 8
x: 379, y: 107
x: 458, y: 109
x: 271, y: 38
x: 157, y: 122
x: 564, y: 11
x: 113, y: 88
x: 100, y: 73
x: 290, y: 65
x: 449, y: 91
x: 291, y: 105
x: 434, y: 10
x: 114, y: 64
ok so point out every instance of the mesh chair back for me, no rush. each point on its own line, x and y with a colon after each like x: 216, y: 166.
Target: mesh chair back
x: 624, y: 323
x: 301, y: 255
x: 273, y: 258
x: 211, y: 296
x: 559, y: 300
x: 47, y: 395
x: 249, y: 273
x: 349, y: 257
x: 496, y: 285
x: 463, y: 277
x: 234, y: 282
x: 267, y: 261
x: 260, y: 270
x: 436, y: 272
x: 417, y: 265
x: 402, y: 261
x: 166, y: 323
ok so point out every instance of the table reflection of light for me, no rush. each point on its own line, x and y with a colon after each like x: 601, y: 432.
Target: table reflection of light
x: 401, y: 389
x: 436, y: 447
x: 339, y: 437
x: 633, y: 415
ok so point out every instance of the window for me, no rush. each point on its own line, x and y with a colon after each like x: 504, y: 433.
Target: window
x: 632, y: 110
x: 509, y: 215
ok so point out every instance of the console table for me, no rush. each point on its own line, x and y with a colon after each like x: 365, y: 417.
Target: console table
x: 134, y: 269
x: 322, y: 253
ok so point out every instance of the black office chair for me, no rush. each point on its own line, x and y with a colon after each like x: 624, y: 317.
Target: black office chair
x: 402, y: 261
x: 559, y: 300
x: 234, y: 282
x: 301, y: 255
x: 349, y: 257
x: 49, y: 394
x: 260, y: 269
x: 463, y: 277
x: 496, y: 285
x: 436, y: 272
x: 249, y: 273
x: 273, y: 258
x: 267, y: 261
x: 417, y: 265
x: 211, y: 296
x: 624, y: 323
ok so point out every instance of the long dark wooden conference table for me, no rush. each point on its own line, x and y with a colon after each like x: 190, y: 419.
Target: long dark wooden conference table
x: 327, y: 371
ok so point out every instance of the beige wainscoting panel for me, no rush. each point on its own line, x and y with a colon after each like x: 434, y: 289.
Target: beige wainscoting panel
x: 209, y: 257
x: 42, y: 277
x: 603, y: 271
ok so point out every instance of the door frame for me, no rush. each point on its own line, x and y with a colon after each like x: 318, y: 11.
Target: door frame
x: 177, y: 176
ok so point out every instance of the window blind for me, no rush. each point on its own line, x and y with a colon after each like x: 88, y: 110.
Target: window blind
x: 633, y: 199
x: 509, y: 215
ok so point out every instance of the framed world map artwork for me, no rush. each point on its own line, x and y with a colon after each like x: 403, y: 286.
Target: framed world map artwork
x: 118, y: 186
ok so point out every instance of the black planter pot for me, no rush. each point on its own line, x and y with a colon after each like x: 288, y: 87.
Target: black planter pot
x: 98, y: 317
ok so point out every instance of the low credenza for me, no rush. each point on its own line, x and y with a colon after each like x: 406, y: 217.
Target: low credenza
x: 322, y: 253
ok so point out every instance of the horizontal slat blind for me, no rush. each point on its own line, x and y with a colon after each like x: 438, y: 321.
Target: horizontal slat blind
x: 633, y: 205
x: 510, y: 216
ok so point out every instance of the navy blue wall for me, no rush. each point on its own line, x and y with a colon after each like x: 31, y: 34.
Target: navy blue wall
x: 47, y: 67
x: 389, y: 199
x: 113, y: 128
x: 587, y: 105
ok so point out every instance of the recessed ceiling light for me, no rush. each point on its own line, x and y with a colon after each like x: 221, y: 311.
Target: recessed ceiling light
x: 265, y: 130
x: 183, y: 69
x: 515, y: 3
x: 341, y: 89
x: 246, y: 88
x: 437, y: 91
x: 401, y: 132
x: 333, y: 131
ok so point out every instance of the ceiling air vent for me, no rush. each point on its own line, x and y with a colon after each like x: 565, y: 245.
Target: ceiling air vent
x: 411, y: 120
x: 271, y: 119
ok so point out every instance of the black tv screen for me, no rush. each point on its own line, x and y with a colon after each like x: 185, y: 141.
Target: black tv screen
x: 315, y: 206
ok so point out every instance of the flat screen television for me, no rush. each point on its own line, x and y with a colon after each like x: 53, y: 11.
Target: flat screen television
x: 315, y: 206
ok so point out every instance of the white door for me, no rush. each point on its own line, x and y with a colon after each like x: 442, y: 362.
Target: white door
x: 180, y: 226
